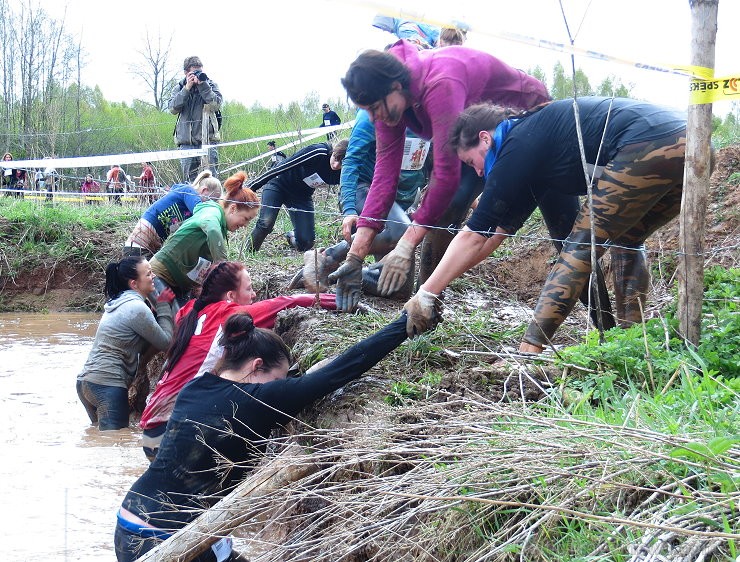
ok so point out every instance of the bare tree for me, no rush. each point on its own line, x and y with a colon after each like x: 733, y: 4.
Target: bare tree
x: 156, y: 72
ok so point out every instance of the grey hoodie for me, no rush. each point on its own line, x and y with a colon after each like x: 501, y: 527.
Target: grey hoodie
x: 126, y: 327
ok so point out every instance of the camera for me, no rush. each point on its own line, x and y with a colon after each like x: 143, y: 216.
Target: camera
x: 200, y: 75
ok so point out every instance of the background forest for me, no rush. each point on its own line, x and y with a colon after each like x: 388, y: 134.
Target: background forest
x: 45, y: 109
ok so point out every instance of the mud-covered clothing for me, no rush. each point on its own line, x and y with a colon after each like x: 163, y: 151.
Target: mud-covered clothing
x: 169, y: 212
x: 303, y: 172
x: 359, y: 164
x: 205, y: 338
x: 127, y: 326
x: 541, y: 153
x: 292, y: 183
x: 443, y: 82
x: 189, y: 470
x: 638, y: 189
x: 201, y: 237
x: 188, y: 105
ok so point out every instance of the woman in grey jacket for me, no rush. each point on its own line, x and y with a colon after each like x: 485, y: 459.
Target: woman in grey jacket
x: 126, y: 328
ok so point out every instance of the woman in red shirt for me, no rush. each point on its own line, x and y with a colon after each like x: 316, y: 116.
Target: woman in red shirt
x: 226, y: 290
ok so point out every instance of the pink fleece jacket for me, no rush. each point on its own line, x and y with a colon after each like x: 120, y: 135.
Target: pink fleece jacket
x: 443, y: 83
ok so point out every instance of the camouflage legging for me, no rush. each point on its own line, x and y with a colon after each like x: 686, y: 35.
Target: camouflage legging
x: 638, y: 192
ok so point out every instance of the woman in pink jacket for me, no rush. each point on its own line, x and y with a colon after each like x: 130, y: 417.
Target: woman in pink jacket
x: 424, y: 91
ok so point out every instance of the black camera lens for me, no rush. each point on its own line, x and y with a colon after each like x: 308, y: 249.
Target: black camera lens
x: 200, y: 75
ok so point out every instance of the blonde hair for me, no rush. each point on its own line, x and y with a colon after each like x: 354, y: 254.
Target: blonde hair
x: 210, y: 185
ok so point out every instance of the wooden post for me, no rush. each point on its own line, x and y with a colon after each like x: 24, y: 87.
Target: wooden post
x: 229, y: 513
x: 696, y: 178
x: 204, y: 137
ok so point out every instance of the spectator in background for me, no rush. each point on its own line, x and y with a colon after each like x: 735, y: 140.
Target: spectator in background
x: 116, y: 182
x: 13, y: 179
x: 277, y: 157
x: 90, y: 186
x: 450, y: 36
x: 197, y: 100
x: 50, y: 180
x: 147, y: 182
x: 329, y: 119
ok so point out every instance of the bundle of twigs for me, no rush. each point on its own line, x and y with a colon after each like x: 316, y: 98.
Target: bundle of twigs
x: 471, y: 479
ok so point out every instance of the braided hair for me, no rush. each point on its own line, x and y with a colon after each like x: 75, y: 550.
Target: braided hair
x: 222, y: 278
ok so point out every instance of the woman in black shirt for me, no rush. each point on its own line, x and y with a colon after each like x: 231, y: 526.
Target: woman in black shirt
x: 228, y: 416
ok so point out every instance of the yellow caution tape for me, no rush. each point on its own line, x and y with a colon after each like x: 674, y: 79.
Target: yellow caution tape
x: 714, y: 89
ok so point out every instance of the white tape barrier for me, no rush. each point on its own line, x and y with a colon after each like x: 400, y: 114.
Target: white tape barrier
x: 139, y: 157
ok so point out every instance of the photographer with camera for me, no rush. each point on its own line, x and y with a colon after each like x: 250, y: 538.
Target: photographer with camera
x: 197, y: 103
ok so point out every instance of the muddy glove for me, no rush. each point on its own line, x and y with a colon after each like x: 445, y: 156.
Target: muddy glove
x: 396, y: 268
x: 424, y: 312
x: 349, y: 283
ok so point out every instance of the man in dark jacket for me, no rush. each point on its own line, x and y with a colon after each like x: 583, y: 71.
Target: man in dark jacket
x: 329, y: 119
x: 196, y: 102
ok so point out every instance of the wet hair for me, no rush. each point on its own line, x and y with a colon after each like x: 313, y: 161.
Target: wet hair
x: 451, y: 36
x: 119, y: 273
x: 223, y: 277
x: 339, y: 150
x: 235, y: 193
x: 371, y: 76
x: 191, y: 61
x: 477, y: 118
x: 212, y: 185
x: 241, y: 341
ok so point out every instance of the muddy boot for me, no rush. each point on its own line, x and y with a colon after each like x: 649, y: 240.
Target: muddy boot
x: 290, y: 239
x: 296, y: 282
x: 631, y: 284
x: 317, y: 265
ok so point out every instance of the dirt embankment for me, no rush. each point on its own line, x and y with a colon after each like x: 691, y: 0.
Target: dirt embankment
x: 58, y: 284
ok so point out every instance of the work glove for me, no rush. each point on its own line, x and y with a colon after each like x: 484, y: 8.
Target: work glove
x: 349, y: 283
x: 423, y: 312
x: 396, y: 268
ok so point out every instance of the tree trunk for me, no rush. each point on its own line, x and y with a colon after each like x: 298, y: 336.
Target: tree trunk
x: 696, y: 178
x: 228, y: 514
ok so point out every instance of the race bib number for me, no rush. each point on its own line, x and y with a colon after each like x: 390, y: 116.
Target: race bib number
x: 327, y: 123
x: 7, y: 172
x: 415, y: 153
x: 222, y: 549
x: 314, y: 181
x: 199, y: 272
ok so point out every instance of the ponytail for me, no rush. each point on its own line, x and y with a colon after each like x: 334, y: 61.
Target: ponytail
x: 118, y: 274
x: 222, y: 278
x: 237, y: 194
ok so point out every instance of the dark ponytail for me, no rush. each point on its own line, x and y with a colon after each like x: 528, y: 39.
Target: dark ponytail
x: 241, y: 340
x: 118, y: 274
x: 222, y: 278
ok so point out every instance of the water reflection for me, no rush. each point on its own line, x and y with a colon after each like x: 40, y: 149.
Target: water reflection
x: 62, y: 480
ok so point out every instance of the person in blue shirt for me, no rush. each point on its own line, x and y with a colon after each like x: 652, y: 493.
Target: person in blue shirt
x: 167, y: 214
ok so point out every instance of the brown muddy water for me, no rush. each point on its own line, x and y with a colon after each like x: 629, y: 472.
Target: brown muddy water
x: 61, y: 480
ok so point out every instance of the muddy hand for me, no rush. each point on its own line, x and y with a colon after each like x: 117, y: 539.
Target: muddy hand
x: 396, y: 268
x: 349, y: 283
x: 166, y: 296
x: 424, y: 312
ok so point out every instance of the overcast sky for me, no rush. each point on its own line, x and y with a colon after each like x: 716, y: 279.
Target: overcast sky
x: 274, y: 52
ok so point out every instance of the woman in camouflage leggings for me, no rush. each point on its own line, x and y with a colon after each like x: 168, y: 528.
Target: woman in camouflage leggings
x: 634, y: 150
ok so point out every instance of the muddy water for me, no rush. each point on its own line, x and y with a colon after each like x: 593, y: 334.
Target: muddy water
x: 61, y: 480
